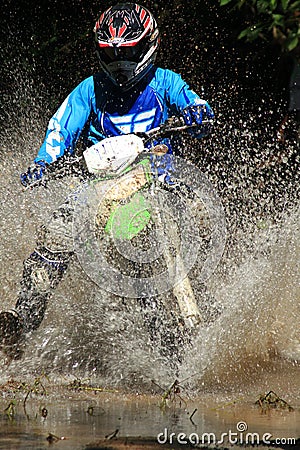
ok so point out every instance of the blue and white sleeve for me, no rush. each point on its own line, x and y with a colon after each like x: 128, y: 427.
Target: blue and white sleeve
x: 181, y: 95
x: 65, y: 126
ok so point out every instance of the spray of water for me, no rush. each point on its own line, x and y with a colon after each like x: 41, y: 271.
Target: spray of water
x: 87, y: 332
x: 258, y: 330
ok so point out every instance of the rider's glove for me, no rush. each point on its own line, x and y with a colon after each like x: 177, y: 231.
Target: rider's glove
x: 34, y: 173
x: 196, y: 113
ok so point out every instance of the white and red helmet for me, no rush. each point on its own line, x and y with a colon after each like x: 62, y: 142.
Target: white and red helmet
x: 127, y: 40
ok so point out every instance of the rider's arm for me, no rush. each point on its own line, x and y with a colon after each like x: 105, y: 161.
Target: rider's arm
x: 177, y: 93
x: 67, y: 123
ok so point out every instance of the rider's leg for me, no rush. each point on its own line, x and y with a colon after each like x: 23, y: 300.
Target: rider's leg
x: 42, y: 272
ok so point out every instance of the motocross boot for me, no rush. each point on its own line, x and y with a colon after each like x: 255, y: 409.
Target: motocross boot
x: 11, y: 335
x: 11, y: 328
x: 41, y: 275
x: 42, y: 272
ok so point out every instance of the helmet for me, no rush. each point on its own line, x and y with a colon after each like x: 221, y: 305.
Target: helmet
x: 127, y: 41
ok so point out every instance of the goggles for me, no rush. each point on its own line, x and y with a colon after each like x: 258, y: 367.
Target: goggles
x: 121, y: 53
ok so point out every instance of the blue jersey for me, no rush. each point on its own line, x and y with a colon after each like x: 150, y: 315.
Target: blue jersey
x: 99, y: 108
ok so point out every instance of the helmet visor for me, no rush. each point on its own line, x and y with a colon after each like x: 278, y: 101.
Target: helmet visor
x: 122, y: 53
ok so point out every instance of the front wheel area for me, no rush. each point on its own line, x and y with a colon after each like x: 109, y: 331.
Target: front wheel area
x: 142, y: 236
x: 165, y: 328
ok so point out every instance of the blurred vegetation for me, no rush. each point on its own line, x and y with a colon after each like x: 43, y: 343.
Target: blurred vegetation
x: 270, y: 19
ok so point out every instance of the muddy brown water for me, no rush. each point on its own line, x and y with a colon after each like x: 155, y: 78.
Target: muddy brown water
x: 62, y: 417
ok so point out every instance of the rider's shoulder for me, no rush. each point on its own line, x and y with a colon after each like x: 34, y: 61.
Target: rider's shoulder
x: 84, y: 86
x: 89, y: 81
x: 166, y: 76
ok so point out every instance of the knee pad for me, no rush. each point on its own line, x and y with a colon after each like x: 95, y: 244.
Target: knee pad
x: 57, y: 235
x: 44, y: 269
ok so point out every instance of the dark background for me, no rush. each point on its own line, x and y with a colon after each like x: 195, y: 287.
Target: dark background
x: 53, y: 43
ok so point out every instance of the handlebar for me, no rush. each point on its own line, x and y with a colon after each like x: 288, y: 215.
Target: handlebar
x: 69, y: 164
x: 172, y: 125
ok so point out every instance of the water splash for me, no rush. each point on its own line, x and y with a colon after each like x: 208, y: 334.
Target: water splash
x: 258, y: 331
x: 88, y: 333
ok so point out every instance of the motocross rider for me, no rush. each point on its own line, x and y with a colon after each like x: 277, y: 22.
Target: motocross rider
x: 130, y: 94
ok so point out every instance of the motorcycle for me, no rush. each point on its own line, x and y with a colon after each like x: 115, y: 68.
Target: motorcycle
x: 143, y: 219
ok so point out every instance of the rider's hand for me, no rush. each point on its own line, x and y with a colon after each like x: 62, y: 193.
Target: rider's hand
x: 196, y: 113
x: 34, y: 172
